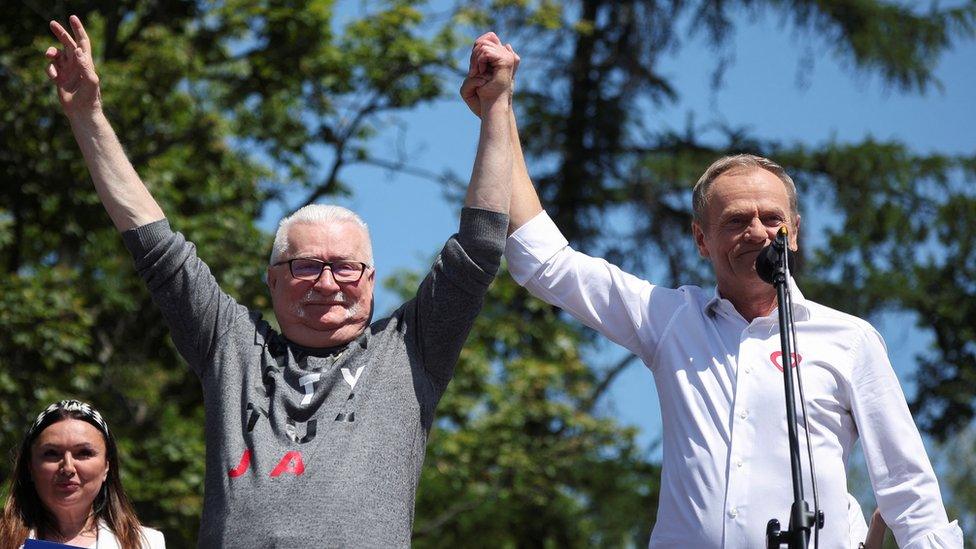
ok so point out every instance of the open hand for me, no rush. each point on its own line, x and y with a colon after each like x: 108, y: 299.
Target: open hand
x: 73, y: 70
x: 491, y: 72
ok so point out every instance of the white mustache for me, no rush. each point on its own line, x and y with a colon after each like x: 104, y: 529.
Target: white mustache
x: 310, y: 297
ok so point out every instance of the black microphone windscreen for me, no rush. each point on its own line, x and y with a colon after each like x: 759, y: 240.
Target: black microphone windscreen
x: 766, y: 263
x: 768, y: 260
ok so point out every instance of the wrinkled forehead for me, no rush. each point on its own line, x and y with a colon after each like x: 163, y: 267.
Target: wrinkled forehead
x: 747, y: 187
x: 329, y: 238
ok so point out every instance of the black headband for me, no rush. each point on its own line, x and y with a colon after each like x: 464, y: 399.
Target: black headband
x: 83, y: 408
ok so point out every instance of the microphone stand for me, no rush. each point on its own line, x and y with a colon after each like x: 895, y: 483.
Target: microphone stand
x: 802, y: 520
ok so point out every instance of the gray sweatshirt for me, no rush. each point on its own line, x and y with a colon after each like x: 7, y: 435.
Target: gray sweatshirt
x: 317, y: 447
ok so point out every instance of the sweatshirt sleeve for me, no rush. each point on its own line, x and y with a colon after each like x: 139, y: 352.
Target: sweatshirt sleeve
x: 450, y: 297
x: 194, y: 307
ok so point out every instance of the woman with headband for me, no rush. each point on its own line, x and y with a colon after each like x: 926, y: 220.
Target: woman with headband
x: 65, y: 486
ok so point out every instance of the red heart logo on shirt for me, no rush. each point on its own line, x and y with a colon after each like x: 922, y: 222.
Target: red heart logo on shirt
x: 776, y: 359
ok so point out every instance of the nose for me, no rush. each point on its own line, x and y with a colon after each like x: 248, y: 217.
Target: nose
x: 67, y: 468
x: 326, y: 282
x: 757, y: 231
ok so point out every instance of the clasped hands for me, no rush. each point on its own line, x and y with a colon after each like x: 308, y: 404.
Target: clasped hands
x: 491, y: 73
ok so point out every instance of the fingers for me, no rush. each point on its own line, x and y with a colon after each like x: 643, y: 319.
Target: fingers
x: 63, y: 36
x: 56, y: 57
x: 473, y: 61
x: 469, y: 88
x: 482, y: 60
x: 478, y: 64
x: 79, y: 31
x: 491, y: 72
x: 469, y: 92
x: 515, y: 55
x: 488, y: 51
x: 489, y: 37
x: 492, y: 56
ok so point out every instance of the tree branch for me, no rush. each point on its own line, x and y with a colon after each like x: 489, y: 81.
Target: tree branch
x: 447, y: 516
x: 608, y: 377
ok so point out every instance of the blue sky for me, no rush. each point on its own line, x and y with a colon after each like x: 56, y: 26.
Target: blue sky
x: 410, y: 218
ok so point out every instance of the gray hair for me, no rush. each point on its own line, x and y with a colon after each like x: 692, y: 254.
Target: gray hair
x: 735, y: 162
x: 314, y: 214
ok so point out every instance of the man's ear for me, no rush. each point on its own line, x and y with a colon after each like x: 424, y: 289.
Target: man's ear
x: 699, y: 234
x: 272, y: 279
x: 795, y: 234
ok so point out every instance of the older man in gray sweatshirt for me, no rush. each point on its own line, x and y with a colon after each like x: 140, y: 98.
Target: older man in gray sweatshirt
x: 315, y: 435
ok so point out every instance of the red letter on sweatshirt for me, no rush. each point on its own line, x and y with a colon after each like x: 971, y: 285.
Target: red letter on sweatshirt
x: 242, y: 465
x: 290, y: 463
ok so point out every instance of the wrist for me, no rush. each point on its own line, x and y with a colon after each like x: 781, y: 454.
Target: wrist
x: 498, y: 105
x: 88, y: 119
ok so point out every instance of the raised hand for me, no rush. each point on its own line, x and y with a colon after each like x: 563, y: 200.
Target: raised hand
x: 491, y: 72
x: 73, y: 70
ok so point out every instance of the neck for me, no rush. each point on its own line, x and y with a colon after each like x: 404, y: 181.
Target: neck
x: 315, y: 339
x: 72, y: 526
x: 752, y: 303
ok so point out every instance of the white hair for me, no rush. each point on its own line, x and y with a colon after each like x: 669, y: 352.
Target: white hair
x: 315, y: 214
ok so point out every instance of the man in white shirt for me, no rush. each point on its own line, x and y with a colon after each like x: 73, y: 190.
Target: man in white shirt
x: 718, y: 370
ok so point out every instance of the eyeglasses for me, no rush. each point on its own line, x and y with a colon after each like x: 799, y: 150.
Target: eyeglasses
x: 307, y: 268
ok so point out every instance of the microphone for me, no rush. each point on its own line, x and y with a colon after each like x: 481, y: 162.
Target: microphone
x: 769, y: 262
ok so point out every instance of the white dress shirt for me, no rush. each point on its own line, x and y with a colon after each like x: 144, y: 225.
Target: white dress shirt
x: 726, y: 465
x: 151, y: 539
x: 858, y: 527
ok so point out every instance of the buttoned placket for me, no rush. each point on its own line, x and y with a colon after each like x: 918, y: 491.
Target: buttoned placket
x: 742, y: 426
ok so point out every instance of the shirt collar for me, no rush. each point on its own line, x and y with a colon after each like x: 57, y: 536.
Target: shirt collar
x: 801, y: 310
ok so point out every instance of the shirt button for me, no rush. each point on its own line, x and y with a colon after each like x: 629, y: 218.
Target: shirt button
x: 733, y: 512
x: 738, y: 463
x: 744, y: 414
x: 748, y: 369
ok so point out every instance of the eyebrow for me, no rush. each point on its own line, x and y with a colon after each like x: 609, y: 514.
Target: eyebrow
x: 328, y: 260
x: 85, y: 445
x: 752, y: 211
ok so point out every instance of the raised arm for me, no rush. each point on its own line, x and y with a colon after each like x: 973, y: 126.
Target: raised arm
x: 489, y: 83
x: 72, y: 70
x: 610, y: 301
x: 525, y: 202
x: 450, y: 297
